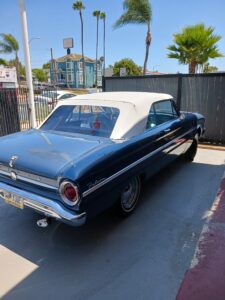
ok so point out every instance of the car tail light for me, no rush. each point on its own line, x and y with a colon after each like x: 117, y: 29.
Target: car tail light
x: 69, y: 193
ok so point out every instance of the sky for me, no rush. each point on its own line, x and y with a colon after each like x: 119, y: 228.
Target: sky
x: 53, y: 20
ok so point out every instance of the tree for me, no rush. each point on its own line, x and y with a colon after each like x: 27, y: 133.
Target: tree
x: 22, y: 71
x: 103, y: 17
x: 10, y: 45
x: 78, y: 5
x: 39, y: 74
x: 138, y: 12
x: 46, y: 66
x: 132, y: 69
x: 209, y: 69
x: 96, y: 14
x: 194, y: 46
x: 3, y: 62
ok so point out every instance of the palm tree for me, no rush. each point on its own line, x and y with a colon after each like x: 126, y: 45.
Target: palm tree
x: 10, y: 45
x: 194, y: 46
x: 103, y: 17
x: 137, y: 12
x: 78, y: 5
x: 96, y: 14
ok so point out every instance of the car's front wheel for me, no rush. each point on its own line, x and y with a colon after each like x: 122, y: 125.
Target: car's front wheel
x: 191, y: 152
x: 129, y: 196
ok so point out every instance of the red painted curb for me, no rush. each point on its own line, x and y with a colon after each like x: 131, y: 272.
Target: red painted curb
x: 205, y: 280
x: 219, y: 214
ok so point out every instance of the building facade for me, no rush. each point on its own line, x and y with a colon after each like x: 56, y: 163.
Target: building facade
x: 68, y: 71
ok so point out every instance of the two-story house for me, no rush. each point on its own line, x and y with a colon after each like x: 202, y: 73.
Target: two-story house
x: 68, y: 70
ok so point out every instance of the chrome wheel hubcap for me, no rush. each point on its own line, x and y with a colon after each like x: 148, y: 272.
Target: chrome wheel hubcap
x: 129, y: 195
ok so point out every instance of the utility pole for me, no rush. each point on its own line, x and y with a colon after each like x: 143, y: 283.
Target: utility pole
x: 53, y: 67
x: 27, y: 63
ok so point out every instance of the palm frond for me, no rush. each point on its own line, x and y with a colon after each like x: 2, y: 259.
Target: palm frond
x: 78, y: 5
x: 5, y: 48
x: 135, y: 12
x: 103, y: 15
x: 96, y: 13
x: 8, y: 43
x: 196, y: 43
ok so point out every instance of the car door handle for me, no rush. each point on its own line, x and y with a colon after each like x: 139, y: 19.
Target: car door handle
x: 167, y: 130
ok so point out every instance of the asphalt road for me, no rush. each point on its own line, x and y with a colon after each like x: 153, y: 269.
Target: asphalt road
x: 141, y: 257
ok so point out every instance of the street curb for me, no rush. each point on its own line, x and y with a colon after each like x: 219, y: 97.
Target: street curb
x: 205, y: 279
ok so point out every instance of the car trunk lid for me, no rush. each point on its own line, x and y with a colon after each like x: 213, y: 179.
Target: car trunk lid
x: 44, y: 153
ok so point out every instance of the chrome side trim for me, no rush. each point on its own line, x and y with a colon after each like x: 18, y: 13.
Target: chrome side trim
x: 45, y: 206
x: 4, y: 173
x: 97, y: 186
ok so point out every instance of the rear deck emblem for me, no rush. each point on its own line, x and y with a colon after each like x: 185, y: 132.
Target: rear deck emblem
x: 12, y: 161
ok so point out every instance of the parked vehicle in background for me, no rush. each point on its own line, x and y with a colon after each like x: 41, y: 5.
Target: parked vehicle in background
x: 51, y: 96
x: 93, y: 152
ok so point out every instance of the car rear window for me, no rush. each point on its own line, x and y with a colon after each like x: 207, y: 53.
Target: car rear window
x: 83, y: 119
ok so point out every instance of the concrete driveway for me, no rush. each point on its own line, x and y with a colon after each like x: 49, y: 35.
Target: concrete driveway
x: 142, y: 257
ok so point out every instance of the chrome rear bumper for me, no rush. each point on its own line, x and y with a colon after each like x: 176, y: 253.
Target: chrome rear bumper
x: 49, y: 208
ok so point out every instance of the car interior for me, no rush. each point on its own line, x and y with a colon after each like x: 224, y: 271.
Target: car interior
x: 161, y: 112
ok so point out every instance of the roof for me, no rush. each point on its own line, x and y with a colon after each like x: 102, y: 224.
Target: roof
x: 135, y: 98
x: 76, y: 57
x: 154, y: 73
x: 133, y: 106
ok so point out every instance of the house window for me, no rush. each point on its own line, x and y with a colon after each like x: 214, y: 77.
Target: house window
x: 70, y: 77
x: 62, y: 76
x: 81, y: 78
x: 80, y: 65
x: 69, y: 65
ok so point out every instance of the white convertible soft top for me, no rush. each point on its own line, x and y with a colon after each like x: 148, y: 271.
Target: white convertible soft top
x: 133, y: 106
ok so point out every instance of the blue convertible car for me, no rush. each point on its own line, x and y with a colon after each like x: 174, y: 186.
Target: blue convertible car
x: 95, y: 151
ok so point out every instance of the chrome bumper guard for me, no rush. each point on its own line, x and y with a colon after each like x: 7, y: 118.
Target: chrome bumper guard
x: 49, y: 208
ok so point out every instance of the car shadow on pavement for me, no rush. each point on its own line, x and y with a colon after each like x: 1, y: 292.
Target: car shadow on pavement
x: 86, y: 262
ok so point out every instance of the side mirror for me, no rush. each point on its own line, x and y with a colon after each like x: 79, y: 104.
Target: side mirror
x: 182, y: 116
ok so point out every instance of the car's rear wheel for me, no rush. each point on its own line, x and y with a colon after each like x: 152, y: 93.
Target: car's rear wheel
x: 191, y: 152
x: 129, y: 196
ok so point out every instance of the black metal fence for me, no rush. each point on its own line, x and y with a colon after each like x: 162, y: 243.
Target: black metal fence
x: 9, y: 115
x: 15, y: 110
x: 203, y: 93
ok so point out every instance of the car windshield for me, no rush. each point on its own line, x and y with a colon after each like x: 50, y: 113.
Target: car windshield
x: 52, y: 95
x: 83, y: 119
